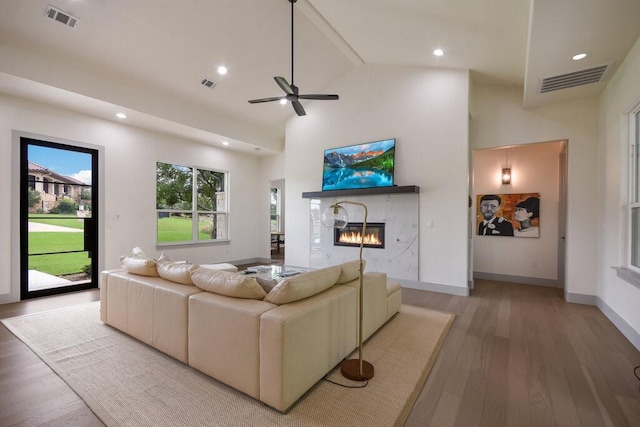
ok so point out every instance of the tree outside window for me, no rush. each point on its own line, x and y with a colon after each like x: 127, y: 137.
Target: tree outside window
x: 191, y: 204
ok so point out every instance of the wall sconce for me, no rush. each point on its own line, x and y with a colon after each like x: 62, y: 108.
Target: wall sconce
x: 506, y: 176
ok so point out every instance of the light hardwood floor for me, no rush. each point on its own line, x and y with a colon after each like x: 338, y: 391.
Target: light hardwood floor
x: 516, y: 355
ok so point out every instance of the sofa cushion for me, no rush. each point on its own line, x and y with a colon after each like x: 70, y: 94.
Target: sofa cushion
x: 303, y: 285
x: 266, y: 284
x: 350, y: 271
x: 227, y: 283
x: 179, y: 272
x: 139, y: 265
x: 221, y: 266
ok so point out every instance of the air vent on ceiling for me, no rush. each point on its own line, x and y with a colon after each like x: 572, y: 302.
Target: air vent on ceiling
x: 209, y: 83
x: 61, y: 17
x: 577, y: 78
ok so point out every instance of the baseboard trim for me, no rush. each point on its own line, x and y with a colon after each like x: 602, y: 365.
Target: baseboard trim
x: 580, y: 298
x: 632, y: 335
x: 537, y: 281
x: 433, y: 287
x: 12, y: 296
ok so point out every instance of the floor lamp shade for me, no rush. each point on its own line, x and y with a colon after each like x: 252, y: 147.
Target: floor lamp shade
x: 336, y: 216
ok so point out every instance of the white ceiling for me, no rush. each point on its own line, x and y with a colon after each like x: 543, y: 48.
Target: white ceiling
x: 148, y: 57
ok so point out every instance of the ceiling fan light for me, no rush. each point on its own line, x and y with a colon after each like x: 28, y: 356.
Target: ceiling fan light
x: 283, y: 101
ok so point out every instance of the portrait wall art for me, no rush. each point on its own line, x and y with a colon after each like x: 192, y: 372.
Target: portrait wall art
x: 509, y: 215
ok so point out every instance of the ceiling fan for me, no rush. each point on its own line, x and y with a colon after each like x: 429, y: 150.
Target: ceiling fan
x: 291, y: 90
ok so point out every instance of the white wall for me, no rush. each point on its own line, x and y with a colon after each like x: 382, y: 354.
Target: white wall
x: 130, y: 156
x: 498, y: 120
x: 621, y: 95
x: 427, y: 111
x: 273, y: 167
x: 535, y: 169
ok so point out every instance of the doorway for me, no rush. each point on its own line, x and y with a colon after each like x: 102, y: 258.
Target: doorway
x: 276, y: 219
x: 538, y: 171
x: 58, y: 218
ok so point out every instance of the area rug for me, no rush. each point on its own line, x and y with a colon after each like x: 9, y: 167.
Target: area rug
x: 127, y: 383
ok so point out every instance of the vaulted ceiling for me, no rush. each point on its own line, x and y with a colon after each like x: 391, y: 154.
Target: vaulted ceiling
x: 149, y: 57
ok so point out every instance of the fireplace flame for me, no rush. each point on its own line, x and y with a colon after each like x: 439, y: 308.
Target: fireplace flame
x: 353, y: 237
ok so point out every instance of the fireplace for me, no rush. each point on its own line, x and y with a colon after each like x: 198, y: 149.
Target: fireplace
x: 352, y: 233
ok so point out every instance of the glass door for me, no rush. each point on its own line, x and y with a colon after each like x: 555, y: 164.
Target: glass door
x: 58, y: 217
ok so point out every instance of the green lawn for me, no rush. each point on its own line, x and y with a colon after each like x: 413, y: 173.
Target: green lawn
x: 49, y: 241
x: 178, y: 229
x: 60, y: 264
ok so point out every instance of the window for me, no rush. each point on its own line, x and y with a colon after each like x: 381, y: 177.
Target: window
x: 275, y: 210
x: 634, y: 186
x: 191, y: 204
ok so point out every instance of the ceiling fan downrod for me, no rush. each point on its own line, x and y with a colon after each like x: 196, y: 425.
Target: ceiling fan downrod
x: 292, y: 2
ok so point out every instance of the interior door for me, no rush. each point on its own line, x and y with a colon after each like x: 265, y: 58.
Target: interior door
x: 58, y: 217
x: 562, y: 215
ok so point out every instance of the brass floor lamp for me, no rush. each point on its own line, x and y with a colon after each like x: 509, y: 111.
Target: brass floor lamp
x: 336, y: 216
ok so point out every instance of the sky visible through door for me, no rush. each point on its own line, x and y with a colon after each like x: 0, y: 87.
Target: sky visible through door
x: 69, y: 163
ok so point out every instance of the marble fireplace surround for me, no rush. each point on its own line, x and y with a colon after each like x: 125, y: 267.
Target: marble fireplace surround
x: 397, y: 207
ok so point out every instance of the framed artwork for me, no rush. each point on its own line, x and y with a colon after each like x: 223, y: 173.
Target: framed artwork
x: 508, y: 215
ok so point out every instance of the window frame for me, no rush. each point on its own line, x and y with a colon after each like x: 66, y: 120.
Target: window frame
x: 278, y: 210
x: 194, y: 212
x: 634, y: 191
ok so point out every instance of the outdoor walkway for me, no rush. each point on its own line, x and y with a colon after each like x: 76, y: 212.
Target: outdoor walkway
x: 36, y: 226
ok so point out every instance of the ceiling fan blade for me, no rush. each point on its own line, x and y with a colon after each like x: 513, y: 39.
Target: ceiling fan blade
x: 321, y: 97
x: 286, y: 87
x: 298, y: 107
x: 256, y: 101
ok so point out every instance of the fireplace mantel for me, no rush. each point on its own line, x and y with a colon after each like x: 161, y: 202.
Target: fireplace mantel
x: 362, y: 192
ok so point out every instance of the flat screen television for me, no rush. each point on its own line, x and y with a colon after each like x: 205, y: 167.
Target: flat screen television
x: 359, y: 166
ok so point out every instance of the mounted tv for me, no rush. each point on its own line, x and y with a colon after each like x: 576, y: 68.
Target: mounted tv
x: 359, y: 166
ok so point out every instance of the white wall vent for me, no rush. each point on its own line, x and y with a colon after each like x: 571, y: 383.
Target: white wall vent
x: 577, y: 78
x: 61, y: 17
x: 209, y: 83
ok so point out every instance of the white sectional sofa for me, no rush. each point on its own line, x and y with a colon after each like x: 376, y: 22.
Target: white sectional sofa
x: 272, y: 344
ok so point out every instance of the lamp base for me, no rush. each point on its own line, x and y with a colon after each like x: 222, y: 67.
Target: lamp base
x: 351, y: 369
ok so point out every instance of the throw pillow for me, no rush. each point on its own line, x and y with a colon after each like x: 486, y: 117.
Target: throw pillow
x: 138, y: 252
x: 164, y: 257
x: 227, y: 283
x: 266, y: 284
x: 139, y: 265
x: 350, y: 271
x: 178, y: 272
x: 303, y: 285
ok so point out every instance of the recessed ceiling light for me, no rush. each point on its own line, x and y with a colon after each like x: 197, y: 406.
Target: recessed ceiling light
x: 225, y: 142
x: 579, y: 56
x: 121, y: 115
x: 283, y: 101
x: 438, y: 52
x: 222, y: 70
